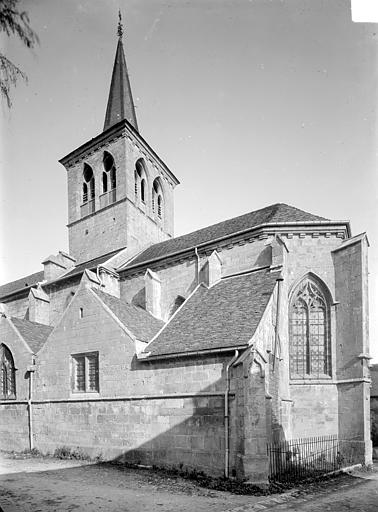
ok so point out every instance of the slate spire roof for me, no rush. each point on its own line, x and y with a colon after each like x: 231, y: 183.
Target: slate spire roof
x: 120, y: 102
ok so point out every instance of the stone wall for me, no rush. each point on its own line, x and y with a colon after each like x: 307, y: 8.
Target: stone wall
x: 164, y: 431
x: 152, y: 412
x: 315, y: 410
x: 18, y: 307
x: 14, y: 428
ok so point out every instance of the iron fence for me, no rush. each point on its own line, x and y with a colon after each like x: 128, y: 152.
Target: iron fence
x: 297, y: 459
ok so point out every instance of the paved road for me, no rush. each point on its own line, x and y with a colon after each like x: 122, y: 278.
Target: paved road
x: 48, y: 485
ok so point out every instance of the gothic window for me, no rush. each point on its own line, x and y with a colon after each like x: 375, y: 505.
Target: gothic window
x: 88, y: 184
x: 85, y: 375
x: 310, y: 349
x: 143, y: 190
x: 7, y: 374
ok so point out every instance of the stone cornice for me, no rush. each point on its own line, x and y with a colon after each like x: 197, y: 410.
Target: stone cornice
x: 120, y: 130
x: 326, y: 229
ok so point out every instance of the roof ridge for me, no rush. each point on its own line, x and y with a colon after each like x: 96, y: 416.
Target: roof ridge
x: 277, y: 213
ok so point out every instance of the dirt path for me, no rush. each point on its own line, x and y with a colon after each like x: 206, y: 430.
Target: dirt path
x: 39, y: 485
x: 32, y: 484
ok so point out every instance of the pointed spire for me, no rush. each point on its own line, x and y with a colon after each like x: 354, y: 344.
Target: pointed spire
x: 120, y: 102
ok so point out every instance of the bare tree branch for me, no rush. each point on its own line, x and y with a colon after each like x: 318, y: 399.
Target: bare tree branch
x: 13, y: 22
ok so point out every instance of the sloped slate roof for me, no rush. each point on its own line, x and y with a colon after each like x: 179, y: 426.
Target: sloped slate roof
x: 19, y: 284
x: 143, y: 325
x: 33, y: 333
x: 223, y: 316
x: 269, y: 215
x: 90, y: 264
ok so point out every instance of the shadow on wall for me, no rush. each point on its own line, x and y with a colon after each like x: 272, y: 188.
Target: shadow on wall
x: 172, y: 430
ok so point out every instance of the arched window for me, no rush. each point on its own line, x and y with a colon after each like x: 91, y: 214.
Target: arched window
x: 109, y: 181
x: 310, y: 343
x: 7, y: 374
x: 88, y: 184
x: 110, y: 171
x: 140, y: 184
x: 160, y: 205
x: 104, y: 182
x: 143, y: 190
x: 88, y: 205
x: 136, y: 184
x: 179, y: 301
x: 157, y: 198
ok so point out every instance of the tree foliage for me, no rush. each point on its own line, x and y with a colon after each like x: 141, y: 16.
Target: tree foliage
x: 13, y: 22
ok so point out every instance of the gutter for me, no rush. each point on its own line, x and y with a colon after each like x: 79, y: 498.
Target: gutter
x: 176, y: 355
x: 278, y: 316
x: 31, y: 370
x: 226, y: 415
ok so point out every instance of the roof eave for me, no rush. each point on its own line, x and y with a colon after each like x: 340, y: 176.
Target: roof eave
x: 344, y: 223
x: 174, y: 355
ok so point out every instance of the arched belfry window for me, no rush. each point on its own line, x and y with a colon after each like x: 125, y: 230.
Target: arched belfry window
x: 140, y: 185
x: 7, y: 374
x: 310, y: 343
x: 88, y: 197
x: 157, y: 199
x: 109, y: 181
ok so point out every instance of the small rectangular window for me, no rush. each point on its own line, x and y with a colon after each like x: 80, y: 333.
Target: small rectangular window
x: 85, y: 376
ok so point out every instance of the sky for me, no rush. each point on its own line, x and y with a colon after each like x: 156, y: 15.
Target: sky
x: 249, y: 103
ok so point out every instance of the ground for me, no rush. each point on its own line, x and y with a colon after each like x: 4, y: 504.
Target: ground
x: 36, y: 484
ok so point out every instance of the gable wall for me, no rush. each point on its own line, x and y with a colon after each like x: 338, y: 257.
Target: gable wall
x: 164, y: 412
x: 18, y: 307
x: 60, y: 295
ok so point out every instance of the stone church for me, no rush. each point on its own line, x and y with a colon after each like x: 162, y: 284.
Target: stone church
x: 192, y: 351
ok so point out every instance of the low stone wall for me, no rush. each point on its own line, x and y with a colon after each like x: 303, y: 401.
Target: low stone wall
x: 167, y: 431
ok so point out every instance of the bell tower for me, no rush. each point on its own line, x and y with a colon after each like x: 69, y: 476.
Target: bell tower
x: 120, y: 193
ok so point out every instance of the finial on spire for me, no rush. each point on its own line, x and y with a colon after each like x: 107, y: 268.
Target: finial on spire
x: 120, y: 26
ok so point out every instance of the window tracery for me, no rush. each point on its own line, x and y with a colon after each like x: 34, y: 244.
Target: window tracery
x: 310, y: 350
x: 7, y: 374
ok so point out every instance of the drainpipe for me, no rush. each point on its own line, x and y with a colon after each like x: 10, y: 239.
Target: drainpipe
x: 278, y: 315
x: 30, y: 415
x: 198, y: 264
x: 226, y: 416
